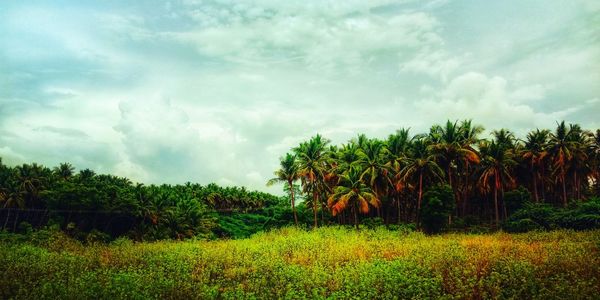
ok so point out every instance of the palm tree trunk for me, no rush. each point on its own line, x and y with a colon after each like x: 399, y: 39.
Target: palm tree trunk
x: 293, y: 203
x: 315, y: 196
x: 356, y: 216
x: 449, y: 171
x: 542, y: 177
x: 503, y: 202
x: 576, y: 187
x: 564, y: 188
x: 399, y: 210
x: 453, y: 190
x: 420, y: 199
x: 535, y: 189
x: 496, y: 205
x: 466, y: 192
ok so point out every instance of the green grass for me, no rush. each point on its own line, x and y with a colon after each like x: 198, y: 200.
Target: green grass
x: 295, y: 264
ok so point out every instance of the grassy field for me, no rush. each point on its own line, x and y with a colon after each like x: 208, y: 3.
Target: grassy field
x: 333, y: 263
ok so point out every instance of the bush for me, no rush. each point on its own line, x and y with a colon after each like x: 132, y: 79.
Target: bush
x: 516, y: 199
x: 438, y: 203
x: 579, y: 216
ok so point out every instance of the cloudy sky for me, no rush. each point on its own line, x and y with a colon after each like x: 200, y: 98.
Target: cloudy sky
x: 216, y: 91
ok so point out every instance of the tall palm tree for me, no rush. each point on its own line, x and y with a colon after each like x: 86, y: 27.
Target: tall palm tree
x: 496, y: 168
x: 373, y: 168
x: 560, y: 148
x: 534, y: 153
x: 448, y: 144
x: 312, y: 156
x: 354, y: 193
x: 64, y: 171
x: 469, y: 137
x: 419, y: 165
x: 395, y: 152
x: 580, y: 167
x: 594, y: 153
x: 287, y: 173
x: 86, y: 174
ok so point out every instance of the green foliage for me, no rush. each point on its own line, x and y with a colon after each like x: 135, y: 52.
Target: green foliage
x: 290, y: 263
x: 438, y: 203
x: 580, y: 216
x: 98, y: 208
x: 516, y: 199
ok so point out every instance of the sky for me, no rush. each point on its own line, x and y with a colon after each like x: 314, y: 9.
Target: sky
x: 217, y: 91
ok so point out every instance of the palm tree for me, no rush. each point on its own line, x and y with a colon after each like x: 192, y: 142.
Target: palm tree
x: 496, y: 164
x: 449, y: 145
x: 594, y: 153
x: 560, y: 149
x: 64, y: 171
x: 395, y: 152
x: 86, y: 174
x: 312, y: 156
x: 580, y: 166
x: 534, y: 153
x: 418, y: 165
x: 354, y: 193
x: 287, y: 173
x: 469, y: 138
x: 373, y: 169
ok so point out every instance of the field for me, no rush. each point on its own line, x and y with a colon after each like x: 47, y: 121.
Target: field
x: 334, y: 263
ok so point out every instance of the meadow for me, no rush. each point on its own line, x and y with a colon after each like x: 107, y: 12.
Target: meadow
x: 290, y: 263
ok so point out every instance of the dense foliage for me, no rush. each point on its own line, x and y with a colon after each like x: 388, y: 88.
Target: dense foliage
x: 334, y: 263
x: 539, y: 216
x: 449, y: 178
x: 109, y: 206
x: 489, y: 179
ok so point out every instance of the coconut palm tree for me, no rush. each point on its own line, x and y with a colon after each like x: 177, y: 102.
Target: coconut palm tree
x: 469, y: 137
x: 354, y: 193
x: 580, y: 166
x: 312, y: 156
x: 395, y: 152
x: 496, y: 169
x: 560, y: 149
x: 373, y: 168
x: 594, y: 154
x: 534, y: 153
x: 287, y: 173
x: 419, y: 165
x: 449, y: 146
x: 64, y: 171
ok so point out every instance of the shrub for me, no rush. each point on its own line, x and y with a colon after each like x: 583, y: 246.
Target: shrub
x: 579, y: 216
x: 438, y: 203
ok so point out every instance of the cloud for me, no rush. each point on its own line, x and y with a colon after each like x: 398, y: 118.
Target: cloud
x: 216, y: 91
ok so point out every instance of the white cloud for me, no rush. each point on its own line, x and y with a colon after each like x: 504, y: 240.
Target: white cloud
x: 217, y: 91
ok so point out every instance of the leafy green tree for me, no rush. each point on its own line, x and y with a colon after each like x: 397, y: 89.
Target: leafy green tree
x: 438, y: 205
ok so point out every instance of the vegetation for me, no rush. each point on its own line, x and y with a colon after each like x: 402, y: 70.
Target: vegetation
x: 72, y: 233
x: 388, y: 178
x: 109, y: 206
x: 333, y: 262
x: 448, y: 179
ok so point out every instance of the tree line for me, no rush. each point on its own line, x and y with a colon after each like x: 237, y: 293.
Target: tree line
x: 83, y: 202
x: 388, y: 178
